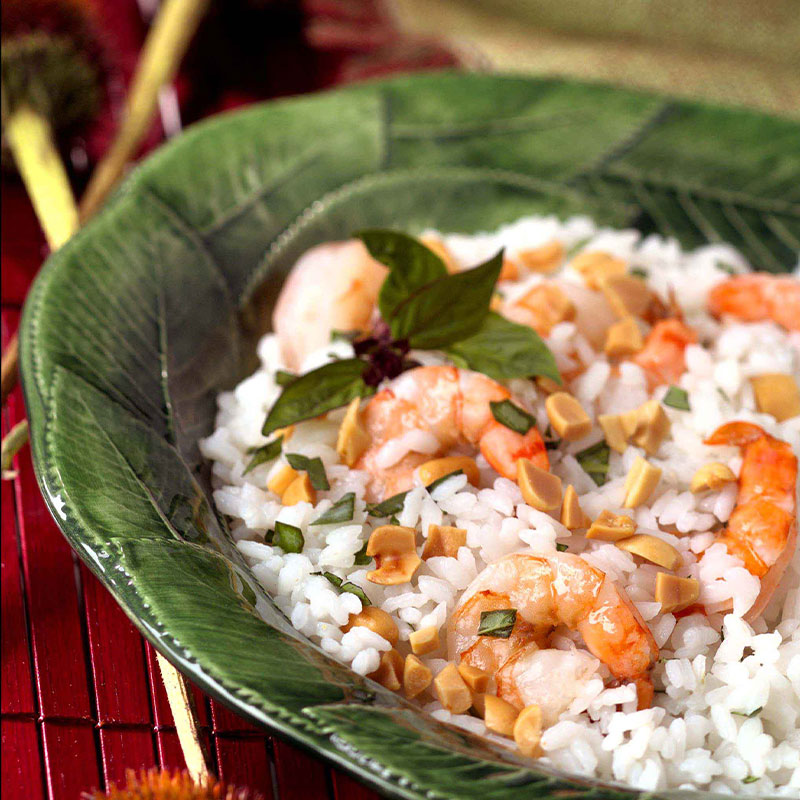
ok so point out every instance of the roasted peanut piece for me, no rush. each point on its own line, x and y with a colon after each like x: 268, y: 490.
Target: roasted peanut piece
x: 437, y: 468
x: 547, y: 385
x: 352, y: 440
x: 611, y: 527
x: 499, y: 715
x: 377, y: 620
x: 642, y: 479
x: 280, y: 480
x: 436, y: 245
x: 394, y: 549
x: 675, y: 593
x: 528, y: 730
x: 595, y: 265
x: 479, y: 703
x: 540, y: 488
x: 653, y: 549
x: 711, y: 476
x: 546, y: 258
x: 451, y: 690
x: 614, y: 432
x: 286, y: 433
x: 416, y: 676
x: 299, y: 490
x: 475, y: 678
x: 623, y: 338
x: 509, y: 271
x: 549, y: 306
x: 567, y: 416
x: 777, y: 394
x: 627, y: 295
x: 423, y: 641
x: 572, y: 516
x: 647, y: 426
x: 390, y: 670
x: 443, y: 540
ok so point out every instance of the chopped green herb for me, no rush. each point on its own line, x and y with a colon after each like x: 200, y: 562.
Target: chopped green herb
x: 269, y: 537
x: 497, y: 623
x: 391, y: 505
x: 313, y: 466
x: 264, y: 453
x: 640, y: 272
x: 288, y: 537
x: 751, y: 714
x: 393, y: 520
x: 750, y: 779
x: 723, y: 395
x: 439, y: 481
x: 594, y: 462
x: 677, y: 398
x: 361, y: 558
x: 730, y: 269
x: 344, y: 336
x: 512, y: 416
x: 341, y: 511
x: 577, y: 247
x: 346, y: 586
x: 562, y: 548
x: 283, y: 378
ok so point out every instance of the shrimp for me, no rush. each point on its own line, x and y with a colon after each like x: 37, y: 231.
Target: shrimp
x: 757, y: 297
x: 762, y: 530
x: 332, y: 287
x: 431, y: 411
x: 547, y: 591
x: 663, y: 357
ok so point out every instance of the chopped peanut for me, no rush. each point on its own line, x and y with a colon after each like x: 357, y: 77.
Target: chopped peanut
x: 451, y: 690
x: 286, y: 433
x: 572, y: 516
x: 616, y: 438
x: 299, y: 490
x: 567, y: 416
x: 499, y: 715
x: 509, y: 271
x: 711, y: 476
x: 540, y: 489
x: 395, y: 552
x: 280, y: 481
x: 627, y: 295
x: 437, y: 468
x: 623, y: 338
x: 416, y: 676
x: 647, y: 425
x: 436, y: 245
x: 611, y: 527
x: 390, y: 670
x: 545, y: 258
x: 377, y: 620
x: 595, y: 265
x: 353, y: 440
x: 547, y: 385
x: 528, y: 730
x: 496, y: 303
x: 642, y: 479
x: 479, y: 703
x: 653, y: 549
x: 550, y: 306
x: 425, y: 640
x: 475, y: 678
x: 675, y: 593
x: 443, y: 540
x: 777, y: 394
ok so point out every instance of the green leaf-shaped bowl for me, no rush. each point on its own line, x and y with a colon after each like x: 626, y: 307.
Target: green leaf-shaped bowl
x: 134, y: 326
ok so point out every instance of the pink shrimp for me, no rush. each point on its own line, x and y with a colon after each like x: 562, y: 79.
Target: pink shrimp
x: 757, y: 297
x: 663, y: 356
x: 437, y: 410
x: 762, y: 530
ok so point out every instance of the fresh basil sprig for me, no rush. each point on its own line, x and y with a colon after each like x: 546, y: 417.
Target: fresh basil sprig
x: 498, y: 624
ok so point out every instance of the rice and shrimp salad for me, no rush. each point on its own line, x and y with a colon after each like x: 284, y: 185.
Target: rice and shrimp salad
x: 724, y: 710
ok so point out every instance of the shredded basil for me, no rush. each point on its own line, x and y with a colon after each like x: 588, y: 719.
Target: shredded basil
x: 562, y: 548
x: 439, y: 481
x: 594, y: 462
x: 361, y: 559
x: 264, y: 453
x: 640, y: 272
x: 341, y: 511
x: 512, y: 416
x: 284, y: 378
x: 313, y: 466
x: 677, y: 398
x: 346, y: 586
x: 723, y: 395
x: 497, y: 623
x: 344, y: 336
x: 394, y: 504
x: 753, y: 713
x: 288, y: 537
x: 721, y: 265
x: 750, y: 779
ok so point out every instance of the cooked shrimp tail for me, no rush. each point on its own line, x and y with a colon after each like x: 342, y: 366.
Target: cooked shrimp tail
x: 758, y: 297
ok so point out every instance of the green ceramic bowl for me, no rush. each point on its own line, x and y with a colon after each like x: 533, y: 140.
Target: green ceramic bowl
x: 134, y: 326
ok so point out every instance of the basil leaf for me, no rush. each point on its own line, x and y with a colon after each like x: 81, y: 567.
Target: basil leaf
x: 283, y: 378
x: 361, y: 558
x: 750, y: 779
x: 264, y: 453
x: 411, y: 265
x: 449, y: 309
x: 562, y: 548
x: 439, y: 481
x: 677, y: 398
x: 316, y: 392
x: 503, y: 350
x: 313, y: 466
x: 594, y: 461
x: 344, y: 336
x: 751, y: 714
x: 341, y: 511
x: 288, y: 537
x: 391, y: 505
x: 512, y: 416
x: 731, y: 270
x: 346, y: 586
x: 498, y: 623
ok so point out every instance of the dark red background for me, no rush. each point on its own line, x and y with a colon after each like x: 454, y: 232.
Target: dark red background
x: 82, y: 699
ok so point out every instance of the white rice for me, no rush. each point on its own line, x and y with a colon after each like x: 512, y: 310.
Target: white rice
x: 726, y: 714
